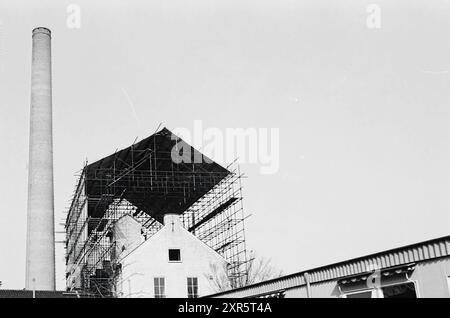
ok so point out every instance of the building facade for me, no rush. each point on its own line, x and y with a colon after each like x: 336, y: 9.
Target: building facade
x: 420, y: 270
x: 144, y: 181
x: 171, y: 263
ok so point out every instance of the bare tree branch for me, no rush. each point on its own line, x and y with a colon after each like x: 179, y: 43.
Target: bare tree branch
x: 258, y: 268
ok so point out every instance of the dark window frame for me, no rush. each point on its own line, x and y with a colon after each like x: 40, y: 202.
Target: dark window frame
x: 159, y: 284
x: 174, y: 255
x: 406, y: 286
x: 380, y: 291
x: 192, y: 287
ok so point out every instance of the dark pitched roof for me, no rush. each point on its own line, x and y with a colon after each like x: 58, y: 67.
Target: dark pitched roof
x: 150, y: 179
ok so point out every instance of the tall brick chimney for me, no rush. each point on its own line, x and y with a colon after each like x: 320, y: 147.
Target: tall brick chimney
x: 40, y: 257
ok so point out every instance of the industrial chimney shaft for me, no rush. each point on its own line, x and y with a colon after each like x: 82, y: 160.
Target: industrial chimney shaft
x: 40, y: 252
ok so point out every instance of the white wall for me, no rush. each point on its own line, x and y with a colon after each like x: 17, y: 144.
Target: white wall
x: 430, y: 278
x: 151, y: 259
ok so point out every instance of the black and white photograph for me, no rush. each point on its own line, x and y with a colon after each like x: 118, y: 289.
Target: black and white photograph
x: 228, y: 154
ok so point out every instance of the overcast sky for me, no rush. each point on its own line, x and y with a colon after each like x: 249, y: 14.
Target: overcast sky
x: 363, y: 113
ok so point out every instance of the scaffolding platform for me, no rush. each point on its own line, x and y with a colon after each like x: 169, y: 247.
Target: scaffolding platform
x: 145, y: 181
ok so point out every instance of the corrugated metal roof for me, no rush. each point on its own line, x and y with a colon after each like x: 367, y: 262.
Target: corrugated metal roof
x: 414, y: 253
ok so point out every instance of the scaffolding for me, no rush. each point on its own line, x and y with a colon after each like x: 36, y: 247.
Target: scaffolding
x: 143, y: 181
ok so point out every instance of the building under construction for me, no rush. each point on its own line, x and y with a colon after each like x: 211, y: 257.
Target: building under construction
x: 146, y: 181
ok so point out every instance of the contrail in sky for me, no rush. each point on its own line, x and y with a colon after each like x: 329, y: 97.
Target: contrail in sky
x: 133, y: 109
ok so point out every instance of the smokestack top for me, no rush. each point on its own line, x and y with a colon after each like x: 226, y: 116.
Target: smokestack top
x: 42, y: 30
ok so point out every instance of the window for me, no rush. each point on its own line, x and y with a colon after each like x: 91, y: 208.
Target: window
x: 364, y: 294
x: 174, y: 255
x: 407, y: 290
x: 159, y: 287
x: 192, y: 286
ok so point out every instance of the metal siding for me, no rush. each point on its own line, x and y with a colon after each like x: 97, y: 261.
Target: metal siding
x: 360, y: 267
x: 422, y: 252
x: 437, y: 250
x: 403, y: 257
x: 383, y: 261
x: 396, y: 258
x: 410, y: 254
x: 431, y: 252
x: 365, y: 265
x: 442, y: 248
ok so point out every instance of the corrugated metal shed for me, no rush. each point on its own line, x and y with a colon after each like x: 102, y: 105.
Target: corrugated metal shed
x: 415, y: 253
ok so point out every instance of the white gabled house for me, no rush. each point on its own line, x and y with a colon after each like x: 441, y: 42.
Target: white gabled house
x: 171, y: 263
